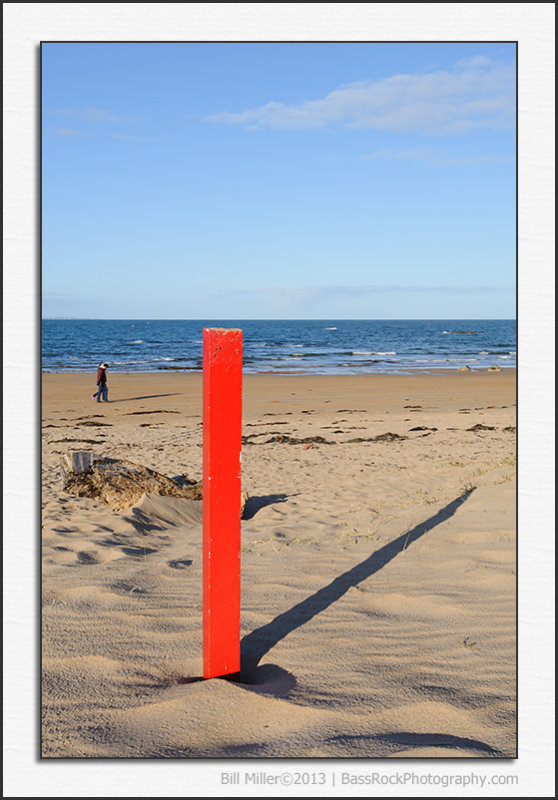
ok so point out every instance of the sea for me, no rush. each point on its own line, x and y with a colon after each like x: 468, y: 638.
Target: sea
x: 315, y: 347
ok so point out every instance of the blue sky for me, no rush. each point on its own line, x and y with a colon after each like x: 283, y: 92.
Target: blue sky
x: 253, y: 180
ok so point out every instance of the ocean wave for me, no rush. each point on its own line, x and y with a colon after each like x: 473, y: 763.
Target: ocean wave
x: 361, y: 363
x: 147, y: 361
x: 136, y: 341
x: 374, y: 353
x: 127, y: 363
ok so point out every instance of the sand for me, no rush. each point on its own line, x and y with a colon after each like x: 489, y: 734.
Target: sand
x: 378, y: 577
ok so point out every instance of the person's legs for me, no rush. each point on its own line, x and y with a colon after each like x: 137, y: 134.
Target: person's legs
x: 105, y: 393
x: 97, y: 396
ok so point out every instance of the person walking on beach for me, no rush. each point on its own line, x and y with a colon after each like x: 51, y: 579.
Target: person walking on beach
x: 102, y: 384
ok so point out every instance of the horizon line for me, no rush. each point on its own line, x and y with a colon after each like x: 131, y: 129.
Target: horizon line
x: 283, y: 319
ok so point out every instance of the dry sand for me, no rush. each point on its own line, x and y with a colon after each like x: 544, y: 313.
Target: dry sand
x: 378, y: 594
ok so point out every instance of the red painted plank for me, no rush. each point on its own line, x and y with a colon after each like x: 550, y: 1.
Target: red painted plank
x: 222, y: 430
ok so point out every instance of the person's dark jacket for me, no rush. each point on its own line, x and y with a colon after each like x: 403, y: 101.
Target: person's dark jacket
x: 101, y: 377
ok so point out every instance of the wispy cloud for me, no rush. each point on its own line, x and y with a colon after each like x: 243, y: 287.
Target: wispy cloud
x: 435, y: 157
x: 126, y: 137
x: 476, y: 93
x: 123, y: 137
x: 70, y: 132
x: 88, y: 114
x: 298, y: 295
x: 100, y: 122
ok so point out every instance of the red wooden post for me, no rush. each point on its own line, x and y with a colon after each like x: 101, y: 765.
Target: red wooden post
x: 222, y: 429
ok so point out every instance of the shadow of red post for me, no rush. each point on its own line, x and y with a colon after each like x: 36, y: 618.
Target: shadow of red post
x: 222, y: 431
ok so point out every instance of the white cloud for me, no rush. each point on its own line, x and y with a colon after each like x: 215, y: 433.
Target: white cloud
x: 476, y: 93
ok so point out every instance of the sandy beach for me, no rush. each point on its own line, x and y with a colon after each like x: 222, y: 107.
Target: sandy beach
x: 378, y: 572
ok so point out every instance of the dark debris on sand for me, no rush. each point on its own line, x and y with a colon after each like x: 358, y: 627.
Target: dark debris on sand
x: 283, y: 438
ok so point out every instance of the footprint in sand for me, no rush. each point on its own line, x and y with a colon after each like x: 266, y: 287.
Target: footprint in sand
x: 138, y: 552
x: 121, y: 587
x: 180, y: 563
x: 86, y: 558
